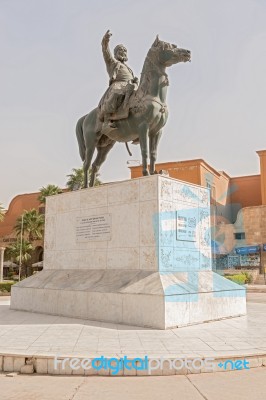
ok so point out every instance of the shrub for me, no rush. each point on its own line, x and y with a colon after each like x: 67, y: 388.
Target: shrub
x: 239, y: 278
x: 248, y: 276
x: 6, y: 286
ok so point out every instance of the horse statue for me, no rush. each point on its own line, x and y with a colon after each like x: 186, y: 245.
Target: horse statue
x: 148, y: 113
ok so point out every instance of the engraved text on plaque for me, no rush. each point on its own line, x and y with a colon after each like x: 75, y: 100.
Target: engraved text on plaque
x: 95, y: 227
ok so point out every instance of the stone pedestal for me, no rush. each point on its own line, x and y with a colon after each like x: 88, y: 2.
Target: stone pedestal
x: 134, y: 252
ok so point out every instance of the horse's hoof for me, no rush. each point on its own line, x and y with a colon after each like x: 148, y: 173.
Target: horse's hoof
x: 164, y: 172
x: 145, y: 173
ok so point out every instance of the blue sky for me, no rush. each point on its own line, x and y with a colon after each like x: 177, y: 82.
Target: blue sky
x: 52, y: 72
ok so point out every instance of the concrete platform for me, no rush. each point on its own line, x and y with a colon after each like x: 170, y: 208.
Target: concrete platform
x: 135, y: 252
x: 131, y: 297
x: 34, y: 339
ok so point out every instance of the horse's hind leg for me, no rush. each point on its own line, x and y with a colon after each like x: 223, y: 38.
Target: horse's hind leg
x: 91, y: 139
x: 80, y: 137
x: 153, y: 144
x: 99, y: 160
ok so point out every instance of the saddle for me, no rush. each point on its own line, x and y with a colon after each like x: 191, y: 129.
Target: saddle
x: 132, y: 102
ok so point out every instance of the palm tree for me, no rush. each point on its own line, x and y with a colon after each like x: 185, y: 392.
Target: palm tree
x: 49, y: 190
x: 30, y: 222
x: 21, y: 253
x: 76, y: 179
x: 2, y: 213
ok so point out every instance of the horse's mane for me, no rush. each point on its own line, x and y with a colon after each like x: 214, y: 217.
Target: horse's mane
x: 150, y: 64
x: 147, y: 67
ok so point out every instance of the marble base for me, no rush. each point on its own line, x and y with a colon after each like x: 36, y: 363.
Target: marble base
x: 146, y: 261
x: 141, y: 298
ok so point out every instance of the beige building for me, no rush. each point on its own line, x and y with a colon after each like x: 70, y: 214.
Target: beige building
x: 16, y: 208
x: 238, y: 209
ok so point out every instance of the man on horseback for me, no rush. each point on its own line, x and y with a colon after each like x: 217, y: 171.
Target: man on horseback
x: 148, y: 114
x: 122, y: 83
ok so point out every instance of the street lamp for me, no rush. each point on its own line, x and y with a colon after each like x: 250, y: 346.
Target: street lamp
x: 20, y: 252
x: 2, y: 250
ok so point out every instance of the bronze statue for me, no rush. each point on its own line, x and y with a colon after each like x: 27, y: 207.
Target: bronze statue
x: 146, y: 111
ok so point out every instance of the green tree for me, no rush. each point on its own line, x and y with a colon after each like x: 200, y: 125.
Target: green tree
x: 20, y: 252
x: 31, y: 225
x: 49, y: 190
x: 2, y: 212
x: 76, y: 179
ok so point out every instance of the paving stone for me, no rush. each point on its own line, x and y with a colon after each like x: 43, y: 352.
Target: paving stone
x: 41, y: 365
x: 18, y: 363
x: 8, y: 364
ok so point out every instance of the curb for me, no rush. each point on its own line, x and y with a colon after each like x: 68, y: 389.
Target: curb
x: 45, y: 365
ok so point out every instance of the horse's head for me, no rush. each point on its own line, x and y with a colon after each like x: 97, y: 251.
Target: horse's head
x: 169, y: 54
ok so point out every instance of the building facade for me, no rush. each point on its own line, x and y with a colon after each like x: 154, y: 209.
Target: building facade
x: 19, y: 204
x: 238, y: 208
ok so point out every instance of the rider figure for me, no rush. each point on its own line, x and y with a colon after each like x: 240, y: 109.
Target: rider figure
x: 122, y: 81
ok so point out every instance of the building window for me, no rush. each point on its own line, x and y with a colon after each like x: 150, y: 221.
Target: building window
x: 240, y: 235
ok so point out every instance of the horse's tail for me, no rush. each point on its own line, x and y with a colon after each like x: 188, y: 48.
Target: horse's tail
x: 80, y: 137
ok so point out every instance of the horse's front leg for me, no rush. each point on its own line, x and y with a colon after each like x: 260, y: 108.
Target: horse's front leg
x: 143, y: 140
x: 153, y: 144
x: 101, y: 157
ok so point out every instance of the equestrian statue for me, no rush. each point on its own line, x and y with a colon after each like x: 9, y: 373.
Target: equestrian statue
x: 129, y: 110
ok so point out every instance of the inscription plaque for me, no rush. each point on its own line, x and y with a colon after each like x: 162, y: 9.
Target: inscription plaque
x: 186, y: 223
x: 95, y: 227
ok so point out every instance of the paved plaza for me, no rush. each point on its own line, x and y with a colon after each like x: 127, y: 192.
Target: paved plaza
x: 237, y: 385
x: 31, y: 334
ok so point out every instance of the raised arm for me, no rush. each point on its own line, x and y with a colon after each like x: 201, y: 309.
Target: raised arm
x: 107, y: 55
